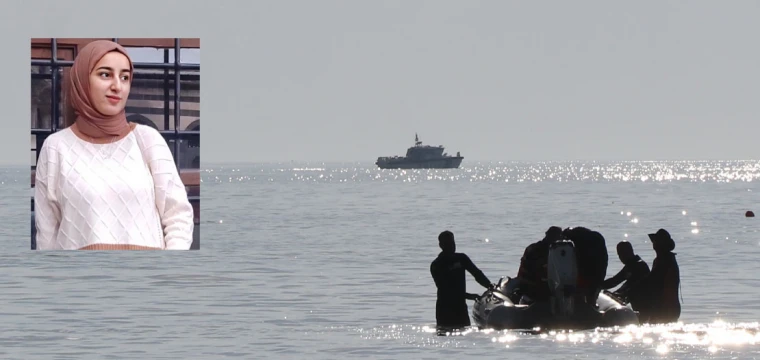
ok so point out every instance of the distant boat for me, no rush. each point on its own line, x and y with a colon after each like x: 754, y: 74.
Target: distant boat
x: 421, y: 157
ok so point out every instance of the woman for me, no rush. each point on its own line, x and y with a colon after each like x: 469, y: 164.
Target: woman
x: 104, y: 183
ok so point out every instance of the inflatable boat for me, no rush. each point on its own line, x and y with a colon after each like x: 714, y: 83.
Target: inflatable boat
x: 504, y: 307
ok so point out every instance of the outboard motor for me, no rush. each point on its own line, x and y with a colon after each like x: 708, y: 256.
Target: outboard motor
x: 562, y: 278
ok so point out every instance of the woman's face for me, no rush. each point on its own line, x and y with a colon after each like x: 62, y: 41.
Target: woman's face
x: 110, y: 82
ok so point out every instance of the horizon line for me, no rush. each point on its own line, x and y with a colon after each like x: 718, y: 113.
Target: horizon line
x: 216, y: 162
x: 471, y: 161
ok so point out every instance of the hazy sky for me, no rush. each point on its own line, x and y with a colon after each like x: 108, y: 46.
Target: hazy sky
x: 496, y: 80
x: 502, y: 80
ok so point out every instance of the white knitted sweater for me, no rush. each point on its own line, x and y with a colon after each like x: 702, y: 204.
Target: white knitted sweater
x: 89, y: 193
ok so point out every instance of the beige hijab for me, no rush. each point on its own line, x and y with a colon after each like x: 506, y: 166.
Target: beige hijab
x: 77, y: 91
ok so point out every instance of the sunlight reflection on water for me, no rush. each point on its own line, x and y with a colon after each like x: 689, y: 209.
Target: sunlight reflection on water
x: 518, y: 172
x: 707, y: 338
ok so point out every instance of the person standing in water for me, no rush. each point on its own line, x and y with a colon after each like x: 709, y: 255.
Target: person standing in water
x: 634, y: 269
x: 658, y: 292
x: 592, y: 258
x: 534, y: 263
x: 448, y: 271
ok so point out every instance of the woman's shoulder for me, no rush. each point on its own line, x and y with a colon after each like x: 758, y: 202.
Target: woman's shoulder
x: 148, y: 134
x: 146, y: 130
x: 59, y: 140
x: 152, y: 143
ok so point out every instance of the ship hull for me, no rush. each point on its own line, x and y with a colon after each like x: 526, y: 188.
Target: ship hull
x: 401, y: 163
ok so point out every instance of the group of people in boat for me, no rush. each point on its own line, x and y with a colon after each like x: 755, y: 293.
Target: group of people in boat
x: 653, y: 293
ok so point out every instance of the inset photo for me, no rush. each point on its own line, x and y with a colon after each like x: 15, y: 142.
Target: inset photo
x: 115, y: 139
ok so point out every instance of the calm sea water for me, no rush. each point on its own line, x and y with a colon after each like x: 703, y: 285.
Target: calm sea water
x: 331, y: 261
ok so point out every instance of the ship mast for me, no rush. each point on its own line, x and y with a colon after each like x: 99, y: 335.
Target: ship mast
x: 417, y: 141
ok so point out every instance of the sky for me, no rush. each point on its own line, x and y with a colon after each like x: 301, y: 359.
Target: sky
x: 503, y: 81
x: 332, y: 81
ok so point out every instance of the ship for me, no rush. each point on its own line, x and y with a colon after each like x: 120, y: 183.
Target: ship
x: 421, y: 157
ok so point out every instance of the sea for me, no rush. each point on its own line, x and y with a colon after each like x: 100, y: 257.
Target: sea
x: 331, y: 261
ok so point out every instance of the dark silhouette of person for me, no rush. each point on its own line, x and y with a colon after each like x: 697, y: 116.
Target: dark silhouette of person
x: 448, y: 271
x: 592, y: 259
x: 532, y: 273
x: 657, y: 294
x: 634, y: 270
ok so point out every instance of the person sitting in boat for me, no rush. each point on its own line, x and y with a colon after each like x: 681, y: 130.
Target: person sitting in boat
x: 448, y: 271
x: 592, y: 259
x: 657, y: 294
x: 634, y: 269
x: 532, y: 273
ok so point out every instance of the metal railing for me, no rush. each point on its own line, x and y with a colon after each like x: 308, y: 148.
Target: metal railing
x: 54, y: 64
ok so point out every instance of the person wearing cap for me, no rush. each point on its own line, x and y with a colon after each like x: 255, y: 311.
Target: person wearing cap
x: 592, y: 259
x: 533, y: 271
x: 658, y: 292
x: 448, y: 271
x: 634, y: 269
